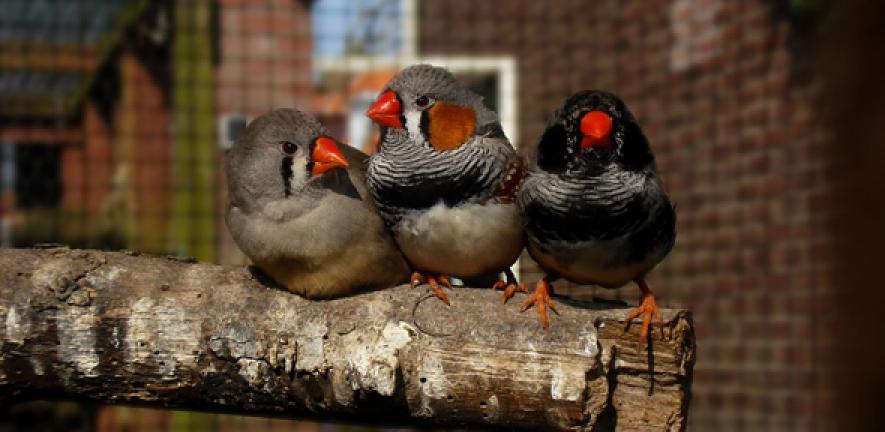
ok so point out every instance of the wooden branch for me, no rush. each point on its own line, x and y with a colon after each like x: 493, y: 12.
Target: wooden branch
x: 123, y: 328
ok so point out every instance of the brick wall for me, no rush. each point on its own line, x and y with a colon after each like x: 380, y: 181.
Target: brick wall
x: 143, y: 152
x: 86, y: 166
x: 724, y: 92
x: 265, y: 52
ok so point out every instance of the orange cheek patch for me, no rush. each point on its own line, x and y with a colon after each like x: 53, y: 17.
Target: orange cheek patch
x: 450, y: 126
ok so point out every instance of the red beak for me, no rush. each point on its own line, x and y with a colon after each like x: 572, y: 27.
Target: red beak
x: 386, y: 111
x: 596, y: 126
x: 326, y: 155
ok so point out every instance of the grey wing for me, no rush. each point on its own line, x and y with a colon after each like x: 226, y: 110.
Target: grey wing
x: 392, y: 262
x: 356, y: 170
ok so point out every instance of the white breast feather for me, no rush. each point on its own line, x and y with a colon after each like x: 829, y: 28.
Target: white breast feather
x: 463, y: 241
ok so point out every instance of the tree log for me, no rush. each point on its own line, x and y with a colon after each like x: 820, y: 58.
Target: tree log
x: 123, y: 328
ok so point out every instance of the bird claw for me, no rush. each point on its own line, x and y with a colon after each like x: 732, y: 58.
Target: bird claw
x: 416, y: 279
x: 444, y: 281
x: 434, y: 282
x: 648, y: 309
x: 541, y: 298
x: 510, y: 289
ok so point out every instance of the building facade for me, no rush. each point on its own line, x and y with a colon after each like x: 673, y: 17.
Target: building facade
x: 725, y: 92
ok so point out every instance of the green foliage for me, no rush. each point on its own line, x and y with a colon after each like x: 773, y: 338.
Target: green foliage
x: 194, y: 221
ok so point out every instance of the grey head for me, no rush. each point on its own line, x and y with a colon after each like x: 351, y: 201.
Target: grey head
x: 421, y: 96
x: 435, y: 83
x: 280, y: 154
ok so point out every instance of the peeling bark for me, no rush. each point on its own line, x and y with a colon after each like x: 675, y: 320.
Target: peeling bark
x: 123, y: 328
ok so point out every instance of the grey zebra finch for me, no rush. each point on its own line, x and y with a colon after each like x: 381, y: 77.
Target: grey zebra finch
x: 595, y: 210
x: 299, y: 209
x: 445, y: 179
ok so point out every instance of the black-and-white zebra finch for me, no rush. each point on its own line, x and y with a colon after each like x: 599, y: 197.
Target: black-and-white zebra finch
x: 595, y: 210
x: 445, y: 179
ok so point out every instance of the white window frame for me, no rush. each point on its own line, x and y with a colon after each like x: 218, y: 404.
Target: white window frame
x: 224, y: 120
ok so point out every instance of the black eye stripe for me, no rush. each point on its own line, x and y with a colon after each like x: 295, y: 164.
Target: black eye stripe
x: 310, y: 148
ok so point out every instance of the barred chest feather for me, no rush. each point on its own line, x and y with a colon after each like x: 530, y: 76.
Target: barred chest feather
x: 451, y: 211
x: 408, y: 176
x: 605, y: 230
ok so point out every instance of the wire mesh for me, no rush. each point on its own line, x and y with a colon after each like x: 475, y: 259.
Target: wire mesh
x: 115, y: 116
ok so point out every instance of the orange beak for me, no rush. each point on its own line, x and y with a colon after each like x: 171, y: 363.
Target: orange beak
x: 596, y: 126
x: 386, y: 111
x: 325, y: 156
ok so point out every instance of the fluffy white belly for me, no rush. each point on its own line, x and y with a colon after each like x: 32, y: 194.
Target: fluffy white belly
x: 463, y: 241
x: 593, y: 263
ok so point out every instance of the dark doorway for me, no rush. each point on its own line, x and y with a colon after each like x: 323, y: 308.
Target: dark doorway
x: 38, y: 176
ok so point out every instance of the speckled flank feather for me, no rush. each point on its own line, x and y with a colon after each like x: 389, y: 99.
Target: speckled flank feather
x: 325, y: 238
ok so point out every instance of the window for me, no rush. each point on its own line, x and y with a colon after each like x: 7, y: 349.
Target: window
x: 230, y: 128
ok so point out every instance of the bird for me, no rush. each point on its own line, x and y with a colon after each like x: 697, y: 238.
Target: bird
x: 300, y: 210
x: 445, y: 180
x: 595, y: 209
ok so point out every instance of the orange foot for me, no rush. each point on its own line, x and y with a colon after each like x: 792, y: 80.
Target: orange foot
x: 648, y: 309
x: 510, y: 287
x: 541, y: 297
x: 434, y: 282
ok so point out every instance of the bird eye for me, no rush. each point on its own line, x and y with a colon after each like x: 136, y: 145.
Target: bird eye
x: 289, y: 148
x: 422, y: 101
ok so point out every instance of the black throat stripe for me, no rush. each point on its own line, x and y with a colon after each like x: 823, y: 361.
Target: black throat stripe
x: 286, y: 172
x: 424, y: 126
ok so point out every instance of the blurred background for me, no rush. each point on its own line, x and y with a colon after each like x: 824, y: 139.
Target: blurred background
x: 115, y: 116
